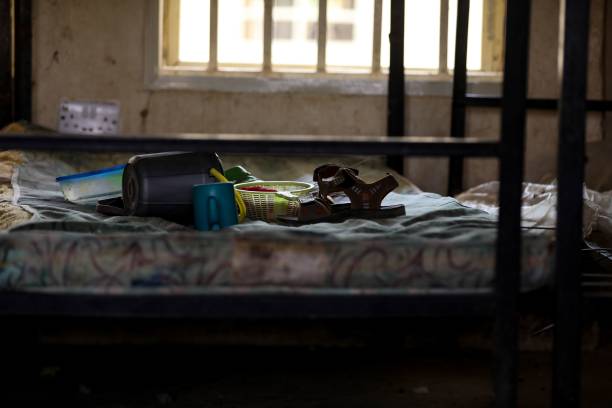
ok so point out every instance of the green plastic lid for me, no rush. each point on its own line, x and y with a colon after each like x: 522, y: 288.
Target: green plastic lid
x: 239, y: 174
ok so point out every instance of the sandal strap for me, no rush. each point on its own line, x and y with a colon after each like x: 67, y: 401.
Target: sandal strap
x: 313, y: 208
x: 366, y: 196
x: 329, y: 179
x: 329, y: 170
x: 335, y: 184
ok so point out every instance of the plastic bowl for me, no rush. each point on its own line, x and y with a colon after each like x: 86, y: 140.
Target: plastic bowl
x: 92, y: 186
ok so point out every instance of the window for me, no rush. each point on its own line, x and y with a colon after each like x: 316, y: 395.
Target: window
x: 283, y: 30
x: 341, y: 32
x: 347, y: 4
x: 313, y: 30
x: 239, y: 27
x: 322, y: 36
x: 249, y: 30
x: 192, y: 12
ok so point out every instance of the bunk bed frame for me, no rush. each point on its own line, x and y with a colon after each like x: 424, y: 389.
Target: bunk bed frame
x: 501, y: 302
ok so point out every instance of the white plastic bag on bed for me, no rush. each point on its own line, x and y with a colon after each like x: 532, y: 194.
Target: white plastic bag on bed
x: 539, y: 209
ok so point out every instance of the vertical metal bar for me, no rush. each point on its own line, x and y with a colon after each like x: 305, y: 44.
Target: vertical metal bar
x: 376, y: 37
x: 23, y: 60
x: 213, y: 64
x: 267, y: 46
x: 322, y: 36
x: 443, y: 52
x: 455, y: 167
x: 607, y: 67
x: 572, y: 123
x: 6, y: 63
x: 396, y: 92
x: 508, y: 262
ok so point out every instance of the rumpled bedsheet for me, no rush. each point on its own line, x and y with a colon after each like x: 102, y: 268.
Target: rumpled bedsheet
x: 440, y: 243
x: 539, y: 208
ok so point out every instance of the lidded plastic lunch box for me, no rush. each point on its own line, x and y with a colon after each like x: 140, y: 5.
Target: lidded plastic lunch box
x: 92, y: 186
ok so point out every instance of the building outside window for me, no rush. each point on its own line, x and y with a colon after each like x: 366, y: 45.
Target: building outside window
x: 323, y: 37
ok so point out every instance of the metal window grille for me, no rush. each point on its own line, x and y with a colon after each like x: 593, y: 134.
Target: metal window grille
x: 322, y: 32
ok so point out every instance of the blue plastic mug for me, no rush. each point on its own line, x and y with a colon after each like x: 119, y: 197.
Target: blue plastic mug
x: 214, y: 206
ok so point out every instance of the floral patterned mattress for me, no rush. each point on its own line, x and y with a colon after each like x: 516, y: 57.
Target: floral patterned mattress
x: 439, y: 243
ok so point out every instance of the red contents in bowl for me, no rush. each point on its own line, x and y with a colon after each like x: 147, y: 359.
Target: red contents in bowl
x: 261, y: 189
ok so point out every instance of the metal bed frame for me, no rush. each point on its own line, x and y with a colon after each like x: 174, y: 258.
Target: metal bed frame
x: 502, y: 302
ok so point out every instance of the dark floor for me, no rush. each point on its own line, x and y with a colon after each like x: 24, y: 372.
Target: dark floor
x: 292, y: 377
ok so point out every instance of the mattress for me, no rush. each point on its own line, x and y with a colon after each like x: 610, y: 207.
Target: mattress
x: 439, y: 243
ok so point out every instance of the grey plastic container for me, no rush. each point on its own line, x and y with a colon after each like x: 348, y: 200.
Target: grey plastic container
x: 160, y: 184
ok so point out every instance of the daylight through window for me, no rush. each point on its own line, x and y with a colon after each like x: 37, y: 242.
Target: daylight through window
x: 336, y: 36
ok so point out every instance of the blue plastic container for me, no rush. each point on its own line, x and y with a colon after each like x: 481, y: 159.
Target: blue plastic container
x: 92, y: 186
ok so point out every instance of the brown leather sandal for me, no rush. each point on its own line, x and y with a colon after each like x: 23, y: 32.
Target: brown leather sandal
x: 321, y: 206
x: 365, y: 198
x: 313, y: 210
x: 326, y: 172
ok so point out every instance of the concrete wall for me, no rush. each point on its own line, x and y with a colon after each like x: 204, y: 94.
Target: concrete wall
x: 95, y: 50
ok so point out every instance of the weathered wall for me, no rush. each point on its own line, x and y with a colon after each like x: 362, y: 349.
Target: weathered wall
x: 95, y: 50
x: 599, y: 170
